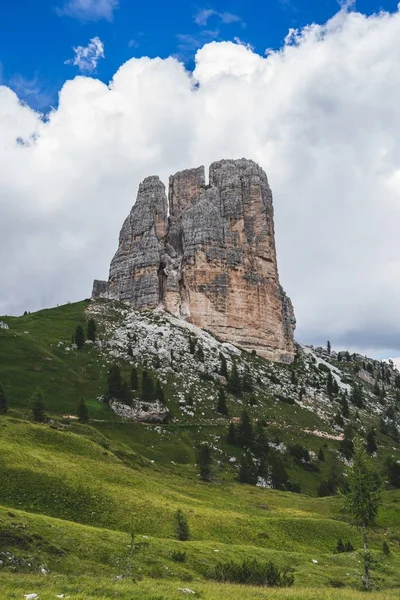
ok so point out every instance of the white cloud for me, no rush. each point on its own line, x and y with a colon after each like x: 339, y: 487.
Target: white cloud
x: 321, y: 117
x: 88, y: 10
x: 87, y: 57
x: 203, y: 15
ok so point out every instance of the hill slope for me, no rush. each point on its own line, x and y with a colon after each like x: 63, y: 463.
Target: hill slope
x: 73, y: 493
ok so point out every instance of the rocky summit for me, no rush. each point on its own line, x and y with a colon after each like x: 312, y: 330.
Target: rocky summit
x: 207, y: 254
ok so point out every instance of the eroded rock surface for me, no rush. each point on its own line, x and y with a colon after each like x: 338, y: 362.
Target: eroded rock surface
x: 212, y: 261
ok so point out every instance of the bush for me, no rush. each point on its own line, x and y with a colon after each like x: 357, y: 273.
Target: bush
x: 253, y: 572
x: 298, y: 451
x: 178, y: 556
x: 385, y: 548
x: 337, y: 583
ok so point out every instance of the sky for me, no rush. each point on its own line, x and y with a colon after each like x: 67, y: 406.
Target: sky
x: 95, y: 95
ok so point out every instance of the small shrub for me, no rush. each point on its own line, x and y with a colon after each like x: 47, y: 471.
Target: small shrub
x: 181, y: 526
x: 253, y: 572
x: 178, y: 556
x: 385, y: 548
x: 337, y: 583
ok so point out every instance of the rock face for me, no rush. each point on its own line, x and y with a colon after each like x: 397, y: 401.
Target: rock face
x: 212, y: 261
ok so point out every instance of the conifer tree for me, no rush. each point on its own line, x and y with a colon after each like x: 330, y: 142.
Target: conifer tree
x: 224, y: 367
x: 244, y: 434
x: 114, y: 383
x: 345, y: 407
x: 248, y: 470
x: 91, y: 330
x: 222, y: 408
x: 328, y: 347
x: 234, y: 383
x: 38, y: 408
x: 363, y: 500
x: 147, y: 388
x: 160, y: 392
x: 3, y: 401
x: 181, y: 526
x: 321, y: 455
x: 260, y: 445
x: 204, y: 461
x: 126, y: 394
x: 79, y: 337
x: 371, y: 442
x: 329, y: 384
x: 357, y: 396
x: 247, y: 384
x: 134, y: 379
x: 82, y: 412
x: 231, y: 437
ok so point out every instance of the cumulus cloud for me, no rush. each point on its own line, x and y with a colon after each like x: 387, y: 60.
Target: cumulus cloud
x: 88, y: 10
x: 87, y: 57
x: 320, y: 116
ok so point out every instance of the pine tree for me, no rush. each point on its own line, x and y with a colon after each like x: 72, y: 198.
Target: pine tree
x: 224, y: 367
x: 192, y: 344
x: 91, y: 330
x: 38, y: 408
x: 126, y: 394
x: 329, y: 384
x: 244, y: 434
x: 79, y: 337
x: 204, y: 461
x: 371, y: 442
x: 363, y: 500
x: 82, y: 412
x: 114, y: 383
x: 260, y: 445
x: 3, y: 401
x: 357, y: 396
x: 160, y: 392
x: 321, y: 455
x: 277, y: 471
x: 134, y: 379
x: 231, y: 437
x: 222, y: 408
x: 247, y: 384
x: 181, y: 526
x: 328, y: 347
x: 248, y: 470
x: 234, y: 383
x: 345, y: 407
x: 147, y: 388
x: 200, y: 353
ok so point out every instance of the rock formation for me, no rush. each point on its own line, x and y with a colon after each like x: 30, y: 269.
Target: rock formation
x: 211, y: 261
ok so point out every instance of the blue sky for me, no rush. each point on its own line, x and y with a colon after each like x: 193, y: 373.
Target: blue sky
x: 37, y: 37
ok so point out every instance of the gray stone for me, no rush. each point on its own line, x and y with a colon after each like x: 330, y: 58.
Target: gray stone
x: 212, y: 261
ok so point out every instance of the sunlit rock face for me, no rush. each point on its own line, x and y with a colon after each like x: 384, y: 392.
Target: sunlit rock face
x: 211, y: 260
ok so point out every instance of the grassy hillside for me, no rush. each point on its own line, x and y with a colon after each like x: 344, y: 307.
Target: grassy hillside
x: 72, y: 495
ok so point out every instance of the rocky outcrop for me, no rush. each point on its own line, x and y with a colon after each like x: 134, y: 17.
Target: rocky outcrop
x: 212, y: 261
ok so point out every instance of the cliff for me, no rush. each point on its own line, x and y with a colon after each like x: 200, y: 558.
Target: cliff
x: 212, y: 261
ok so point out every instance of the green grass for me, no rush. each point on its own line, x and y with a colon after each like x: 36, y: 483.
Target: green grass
x: 71, y: 494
